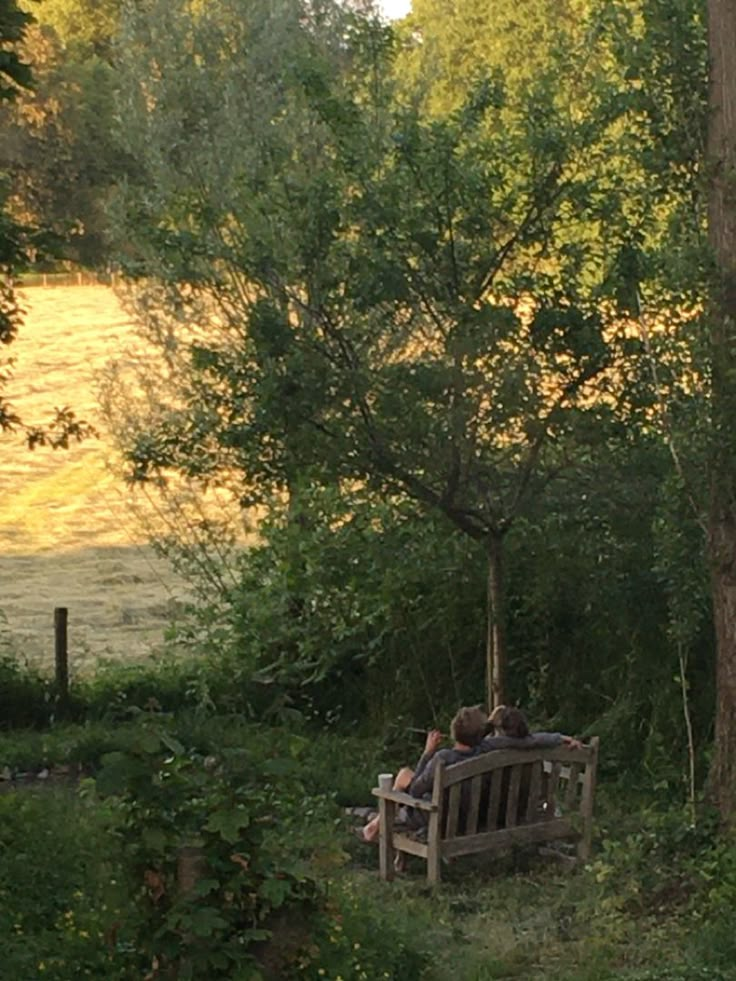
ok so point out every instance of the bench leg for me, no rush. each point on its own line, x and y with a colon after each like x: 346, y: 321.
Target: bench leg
x: 386, y: 811
x: 433, y: 850
x: 585, y: 844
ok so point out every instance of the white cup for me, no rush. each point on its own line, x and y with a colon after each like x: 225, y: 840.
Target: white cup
x: 385, y: 781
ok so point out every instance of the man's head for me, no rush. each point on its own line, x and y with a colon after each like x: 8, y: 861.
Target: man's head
x: 469, y: 725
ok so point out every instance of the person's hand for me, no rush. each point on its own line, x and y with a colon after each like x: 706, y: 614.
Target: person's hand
x: 570, y: 743
x: 433, y: 740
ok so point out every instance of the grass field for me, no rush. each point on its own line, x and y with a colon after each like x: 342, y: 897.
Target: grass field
x: 67, y: 533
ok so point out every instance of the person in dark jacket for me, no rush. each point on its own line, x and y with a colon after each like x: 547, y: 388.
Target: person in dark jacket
x: 468, y: 729
x: 473, y: 732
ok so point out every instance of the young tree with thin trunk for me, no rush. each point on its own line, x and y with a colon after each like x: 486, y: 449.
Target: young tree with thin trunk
x: 371, y: 294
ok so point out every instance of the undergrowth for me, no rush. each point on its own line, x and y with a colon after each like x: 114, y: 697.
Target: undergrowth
x: 180, y: 758
x: 654, y: 904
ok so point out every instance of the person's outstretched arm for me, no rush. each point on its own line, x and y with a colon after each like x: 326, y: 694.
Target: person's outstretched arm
x: 537, y: 740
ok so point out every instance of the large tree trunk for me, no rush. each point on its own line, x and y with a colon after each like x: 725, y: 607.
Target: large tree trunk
x: 496, y: 625
x: 722, y: 518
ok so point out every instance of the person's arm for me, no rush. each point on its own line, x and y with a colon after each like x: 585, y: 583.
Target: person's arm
x: 547, y: 740
x: 422, y: 783
x: 431, y: 745
x: 424, y: 773
x: 550, y: 740
x: 537, y: 740
x: 491, y: 743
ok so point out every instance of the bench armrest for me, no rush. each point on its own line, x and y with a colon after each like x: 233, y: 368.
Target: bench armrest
x: 400, y: 798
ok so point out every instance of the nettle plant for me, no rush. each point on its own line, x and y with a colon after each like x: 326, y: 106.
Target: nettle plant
x: 224, y: 849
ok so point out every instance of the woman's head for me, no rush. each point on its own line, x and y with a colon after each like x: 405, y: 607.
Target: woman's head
x: 494, y: 719
x: 469, y: 725
x: 513, y: 723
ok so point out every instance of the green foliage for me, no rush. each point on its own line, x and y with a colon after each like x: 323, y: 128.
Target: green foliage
x: 363, y: 937
x: 249, y: 825
x: 368, y: 617
x: 350, y: 636
x: 446, y: 45
x: 58, y: 147
x: 63, y: 889
x: 15, y: 75
x: 96, y: 883
x: 82, y: 877
x: 26, y: 697
x: 89, y: 25
x: 428, y: 380
x: 116, y: 692
x: 429, y: 315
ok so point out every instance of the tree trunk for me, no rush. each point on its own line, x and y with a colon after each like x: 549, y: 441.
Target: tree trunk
x: 722, y: 517
x: 298, y: 523
x: 723, y: 766
x: 496, y: 625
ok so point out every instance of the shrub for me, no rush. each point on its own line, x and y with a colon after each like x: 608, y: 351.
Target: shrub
x: 63, y: 890
x: 221, y: 847
x: 26, y: 697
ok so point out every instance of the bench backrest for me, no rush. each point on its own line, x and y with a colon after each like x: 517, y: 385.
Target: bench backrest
x: 514, y: 787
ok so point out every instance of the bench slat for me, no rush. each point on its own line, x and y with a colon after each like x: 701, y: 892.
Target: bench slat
x: 535, y: 793
x: 512, y: 799
x: 405, y: 843
x: 553, y: 779
x: 500, y: 758
x: 453, y: 811
x: 434, y: 855
x: 494, y: 799
x: 525, y: 834
x: 564, y: 771
x: 476, y: 786
x: 400, y: 798
x: 571, y: 791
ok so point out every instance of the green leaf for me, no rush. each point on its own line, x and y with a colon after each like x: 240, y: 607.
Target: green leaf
x: 275, y: 890
x: 147, y: 742
x: 172, y: 744
x: 206, y: 921
x: 205, y: 886
x: 228, y: 824
x: 117, y: 771
x: 280, y: 767
x: 154, y: 839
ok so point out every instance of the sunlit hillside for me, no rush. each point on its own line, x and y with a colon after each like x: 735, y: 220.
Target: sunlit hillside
x: 67, y: 537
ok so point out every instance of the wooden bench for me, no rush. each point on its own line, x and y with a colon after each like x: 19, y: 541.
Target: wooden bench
x: 492, y: 801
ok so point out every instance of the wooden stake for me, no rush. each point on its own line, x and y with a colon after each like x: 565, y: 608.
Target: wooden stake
x: 61, y: 655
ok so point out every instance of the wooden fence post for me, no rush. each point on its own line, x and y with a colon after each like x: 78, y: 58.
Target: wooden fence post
x: 61, y: 655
